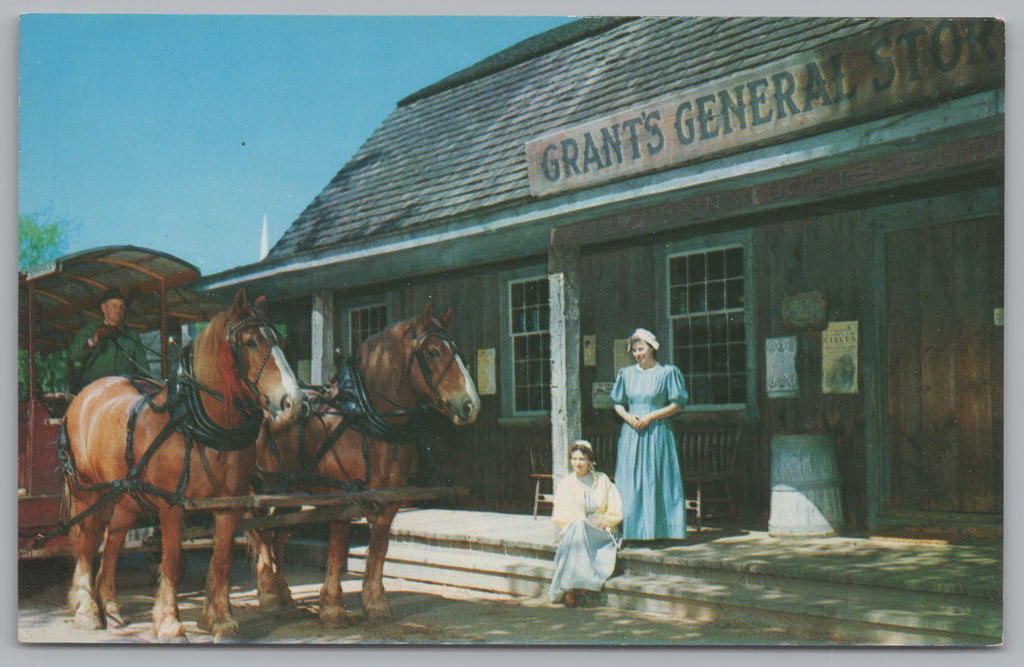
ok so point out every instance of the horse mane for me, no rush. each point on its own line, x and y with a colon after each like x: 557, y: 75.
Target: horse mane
x: 221, y: 364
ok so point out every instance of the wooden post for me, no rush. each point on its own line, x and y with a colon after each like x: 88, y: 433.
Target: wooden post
x: 321, y: 365
x: 164, y: 370
x: 564, y: 329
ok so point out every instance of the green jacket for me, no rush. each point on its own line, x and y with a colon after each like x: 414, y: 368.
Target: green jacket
x: 123, y: 355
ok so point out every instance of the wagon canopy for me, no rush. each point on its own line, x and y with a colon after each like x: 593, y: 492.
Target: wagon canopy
x: 57, y: 298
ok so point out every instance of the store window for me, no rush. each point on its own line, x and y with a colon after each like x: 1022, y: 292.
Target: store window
x: 364, y: 322
x: 707, y: 315
x: 530, y: 345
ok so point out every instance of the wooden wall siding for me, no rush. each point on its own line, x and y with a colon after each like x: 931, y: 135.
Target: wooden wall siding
x: 616, y: 297
x: 829, y: 254
x: 945, y: 363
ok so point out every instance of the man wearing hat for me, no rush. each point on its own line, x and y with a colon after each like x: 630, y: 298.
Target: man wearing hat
x: 107, y: 347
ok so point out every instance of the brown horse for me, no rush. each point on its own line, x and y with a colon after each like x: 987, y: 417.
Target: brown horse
x: 407, y: 365
x: 132, y: 444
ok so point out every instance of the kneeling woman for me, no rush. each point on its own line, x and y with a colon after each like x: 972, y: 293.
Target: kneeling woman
x: 588, y: 511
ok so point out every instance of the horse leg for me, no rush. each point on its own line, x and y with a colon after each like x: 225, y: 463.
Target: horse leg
x: 374, y: 601
x: 85, y: 537
x: 106, y: 588
x: 217, y: 618
x: 332, y: 608
x: 268, y: 562
x: 166, y: 623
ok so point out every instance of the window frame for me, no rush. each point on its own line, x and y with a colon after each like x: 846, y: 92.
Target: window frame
x: 666, y: 253
x: 507, y: 371
x: 346, y: 306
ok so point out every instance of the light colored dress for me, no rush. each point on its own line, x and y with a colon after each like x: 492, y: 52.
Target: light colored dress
x: 647, y: 465
x: 585, y: 557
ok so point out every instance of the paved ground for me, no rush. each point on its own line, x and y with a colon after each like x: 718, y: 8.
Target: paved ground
x: 424, y: 614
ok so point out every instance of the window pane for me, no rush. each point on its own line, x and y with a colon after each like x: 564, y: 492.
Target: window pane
x: 706, y: 304
x: 719, y: 359
x: 734, y: 261
x: 716, y: 295
x: 716, y: 265
x: 697, y: 299
x: 699, y: 391
x: 699, y: 330
x: 696, y: 264
x: 530, y: 345
x: 734, y: 293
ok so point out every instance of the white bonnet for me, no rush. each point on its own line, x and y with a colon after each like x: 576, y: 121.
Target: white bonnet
x: 644, y: 335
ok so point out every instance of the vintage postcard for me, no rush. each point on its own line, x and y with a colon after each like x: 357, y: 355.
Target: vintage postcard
x: 537, y: 331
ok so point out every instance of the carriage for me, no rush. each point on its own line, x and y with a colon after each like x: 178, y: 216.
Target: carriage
x: 228, y: 419
x: 54, y: 301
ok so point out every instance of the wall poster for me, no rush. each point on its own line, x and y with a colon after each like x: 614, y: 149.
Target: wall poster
x: 839, y: 358
x: 780, y: 367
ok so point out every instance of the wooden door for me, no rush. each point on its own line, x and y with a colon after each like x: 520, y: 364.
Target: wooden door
x: 944, y: 284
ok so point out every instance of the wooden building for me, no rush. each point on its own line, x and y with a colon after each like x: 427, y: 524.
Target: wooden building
x: 807, y: 211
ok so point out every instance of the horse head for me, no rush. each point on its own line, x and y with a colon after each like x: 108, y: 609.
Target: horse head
x: 249, y: 362
x: 442, y: 376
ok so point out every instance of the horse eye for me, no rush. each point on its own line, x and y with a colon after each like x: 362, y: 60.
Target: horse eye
x: 251, y: 344
x: 435, y: 353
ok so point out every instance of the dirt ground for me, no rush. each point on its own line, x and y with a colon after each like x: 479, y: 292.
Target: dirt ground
x: 424, y: 614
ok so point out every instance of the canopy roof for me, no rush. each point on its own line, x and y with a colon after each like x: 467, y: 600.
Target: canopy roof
x: 67, y: 291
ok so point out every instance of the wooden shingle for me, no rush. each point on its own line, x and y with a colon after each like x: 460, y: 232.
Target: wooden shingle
x: 456, y: 148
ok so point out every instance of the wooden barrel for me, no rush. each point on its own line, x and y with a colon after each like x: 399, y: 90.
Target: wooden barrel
x: 805, y: 500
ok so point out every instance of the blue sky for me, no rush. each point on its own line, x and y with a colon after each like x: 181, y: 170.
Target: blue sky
x: 179, y: 133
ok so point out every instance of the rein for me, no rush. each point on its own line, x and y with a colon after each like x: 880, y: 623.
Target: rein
x: 187, y: 417
x: 351, y: 401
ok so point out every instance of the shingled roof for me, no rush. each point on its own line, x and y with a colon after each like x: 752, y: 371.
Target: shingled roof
x: 456, y: 148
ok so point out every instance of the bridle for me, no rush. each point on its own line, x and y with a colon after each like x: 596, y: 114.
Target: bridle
x: 273, y: 337
x: 417, y: 355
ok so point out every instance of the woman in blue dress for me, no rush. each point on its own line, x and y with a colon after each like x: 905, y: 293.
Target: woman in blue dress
x: 647, y: 475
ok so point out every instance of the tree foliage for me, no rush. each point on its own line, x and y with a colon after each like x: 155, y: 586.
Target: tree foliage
x: 38, y: 241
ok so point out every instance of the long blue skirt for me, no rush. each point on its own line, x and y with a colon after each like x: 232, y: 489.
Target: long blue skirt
x: 648, y: 479
x: 584, y: 560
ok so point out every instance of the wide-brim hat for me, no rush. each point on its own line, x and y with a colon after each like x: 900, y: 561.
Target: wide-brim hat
x: 112, y: 293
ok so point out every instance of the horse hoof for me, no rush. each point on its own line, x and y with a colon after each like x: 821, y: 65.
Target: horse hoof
x: 275, y: 603
x: 335, y: 617
x: 112, y: 611
x: 169, y: 630
x: 221, y: 627
x: 380, y: 613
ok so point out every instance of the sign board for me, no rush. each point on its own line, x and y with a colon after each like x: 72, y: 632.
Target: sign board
x: 780, y: 367
x: 839, y: 358
x: 804, y: 311
x: 872, y: 74
x: 485, y: 382
x: 590, y: 350
x: 600, y: 395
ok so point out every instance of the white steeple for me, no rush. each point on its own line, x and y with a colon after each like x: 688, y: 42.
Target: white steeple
x: 263, y: 239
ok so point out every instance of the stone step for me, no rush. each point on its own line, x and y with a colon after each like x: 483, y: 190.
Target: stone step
x: 852, y: 613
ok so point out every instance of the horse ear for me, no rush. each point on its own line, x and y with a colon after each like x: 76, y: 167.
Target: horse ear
x: 241, y: 303
x: 427, y: 316
x: 447, y: 319
x: 260, y: 306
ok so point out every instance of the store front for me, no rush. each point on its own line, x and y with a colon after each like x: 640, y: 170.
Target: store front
x: 817, y: 239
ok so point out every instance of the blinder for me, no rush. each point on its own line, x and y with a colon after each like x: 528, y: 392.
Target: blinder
x: 417, y: 355
x: 271, y: 334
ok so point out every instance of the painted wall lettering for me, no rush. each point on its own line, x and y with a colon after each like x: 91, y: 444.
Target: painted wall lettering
x: 911, y: 63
